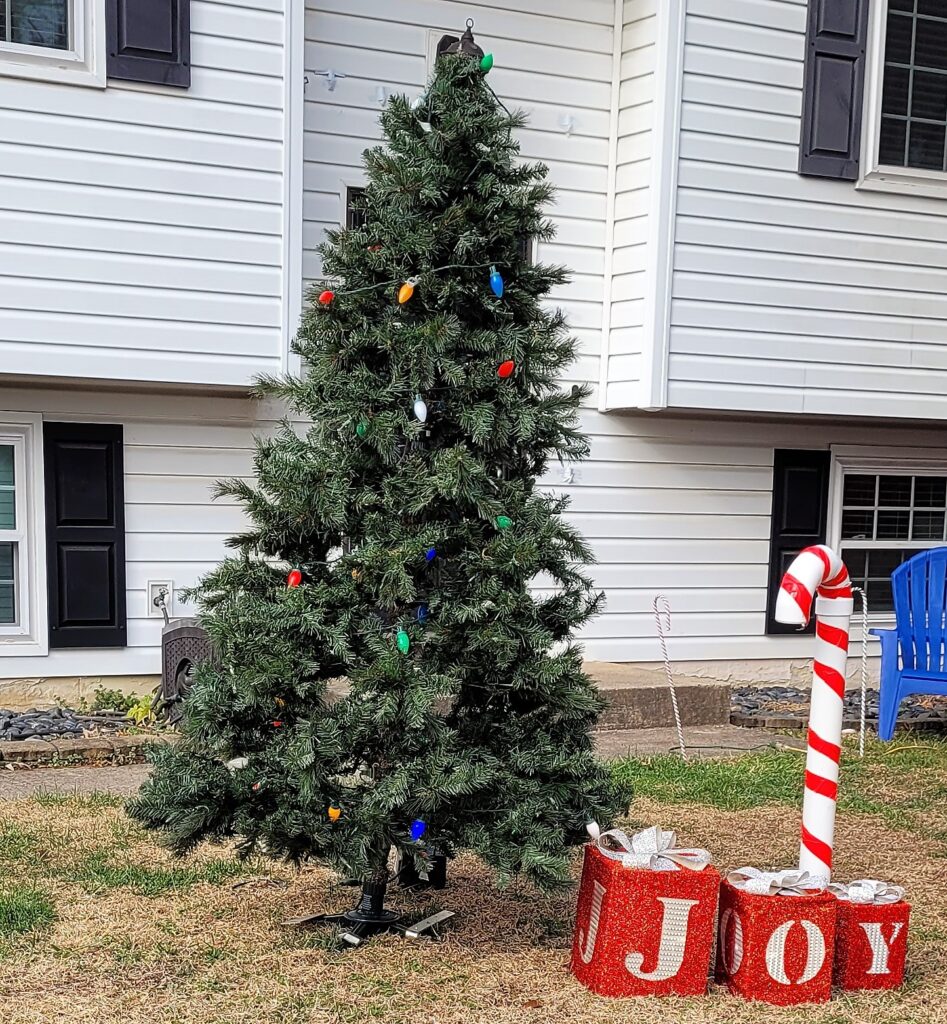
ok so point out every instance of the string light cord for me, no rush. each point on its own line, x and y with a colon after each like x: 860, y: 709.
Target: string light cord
x: 418, y: 277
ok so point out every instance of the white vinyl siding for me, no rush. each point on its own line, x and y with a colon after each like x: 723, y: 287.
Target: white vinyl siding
x: 140, y: 226
x: 791, y: 294
x: 633, y: 170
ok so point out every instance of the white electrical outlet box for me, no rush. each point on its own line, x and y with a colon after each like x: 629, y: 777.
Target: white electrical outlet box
x: 153, y: 589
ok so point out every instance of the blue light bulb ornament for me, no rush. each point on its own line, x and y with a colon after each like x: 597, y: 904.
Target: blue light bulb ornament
x: 418, y: 828
x: 430, y: 554
x: 422, y: 613
x: 496, y: 282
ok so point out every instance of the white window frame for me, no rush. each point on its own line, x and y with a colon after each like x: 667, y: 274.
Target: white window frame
x: 83, y: 63
x: 854, y: 459
x: 29, y: 635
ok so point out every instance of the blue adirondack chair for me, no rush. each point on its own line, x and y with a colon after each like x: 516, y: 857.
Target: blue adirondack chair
x: 917, y: 641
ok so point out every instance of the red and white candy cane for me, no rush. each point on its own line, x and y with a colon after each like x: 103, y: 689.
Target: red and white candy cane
x: 818, y: 573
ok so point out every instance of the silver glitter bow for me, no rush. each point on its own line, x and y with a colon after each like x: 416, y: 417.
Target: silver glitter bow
x: 776, y: 883
x: 868, y: 890
x: 652, y: 848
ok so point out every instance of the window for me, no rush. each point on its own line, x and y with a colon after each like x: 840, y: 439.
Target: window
x: 914, y: 88
x: 354, y: 212
x: 21, y: 628
x: 887, y: 517
x: 54, y: 40
x: 8, y: 535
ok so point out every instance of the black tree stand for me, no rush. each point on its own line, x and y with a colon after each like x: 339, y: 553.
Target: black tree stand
x: 371, y: 918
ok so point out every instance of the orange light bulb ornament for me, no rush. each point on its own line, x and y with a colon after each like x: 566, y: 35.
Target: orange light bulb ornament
x: 407, y: 290
x: 334, y: 813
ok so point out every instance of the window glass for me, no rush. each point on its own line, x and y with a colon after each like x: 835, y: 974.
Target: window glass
x: 7, y: 496
x: 35, y: 23
x: 914, y: 91
x: 7, y: 584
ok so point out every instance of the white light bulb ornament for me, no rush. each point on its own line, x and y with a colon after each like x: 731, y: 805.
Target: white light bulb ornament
x: 420, y: 409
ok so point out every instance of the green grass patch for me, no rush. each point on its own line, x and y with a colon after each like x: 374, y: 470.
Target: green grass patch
x: 894, y: 781
x: 78, y: 801
x: 98, y: 874
x: 24, y: 910
x: 16, y: 843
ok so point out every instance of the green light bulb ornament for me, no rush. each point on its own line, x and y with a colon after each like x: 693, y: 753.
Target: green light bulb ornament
x: 486, y: 62
x: 362, y: 428
x: 404, y: 641
x: 504, y: 522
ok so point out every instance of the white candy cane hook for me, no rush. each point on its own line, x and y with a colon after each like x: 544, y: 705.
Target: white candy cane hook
x: 662, y: 619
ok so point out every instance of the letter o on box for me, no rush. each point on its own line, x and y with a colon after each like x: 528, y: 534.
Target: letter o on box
x: 871, y: 945
x: 778, y: 949
x: 641, y: 932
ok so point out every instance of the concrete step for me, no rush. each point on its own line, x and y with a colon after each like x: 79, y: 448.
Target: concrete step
x: 639, y: 698
x: 700, y: 742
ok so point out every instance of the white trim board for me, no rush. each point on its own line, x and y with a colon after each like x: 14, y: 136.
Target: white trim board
x: 609, y: 268
x: 294, y: 102
x: 669, y: 85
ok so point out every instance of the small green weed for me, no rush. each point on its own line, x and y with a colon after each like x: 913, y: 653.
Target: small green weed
x: 24, y: 910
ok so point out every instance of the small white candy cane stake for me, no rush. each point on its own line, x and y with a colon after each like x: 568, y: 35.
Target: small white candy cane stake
x: 662, y: 619
x: 861, y: 724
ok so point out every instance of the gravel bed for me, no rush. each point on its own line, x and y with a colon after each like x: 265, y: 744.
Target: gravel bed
x: 791, y: 702
x: 58, y: 722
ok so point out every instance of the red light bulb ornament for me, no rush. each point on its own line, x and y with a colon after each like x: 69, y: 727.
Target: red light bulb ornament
x: 505, y: 369
x: 326, y: 297
x: 294, y: 579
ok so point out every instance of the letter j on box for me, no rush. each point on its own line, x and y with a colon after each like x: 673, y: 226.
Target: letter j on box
x: 640, y: 932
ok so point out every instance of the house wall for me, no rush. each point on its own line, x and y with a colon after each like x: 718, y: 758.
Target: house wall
x: 670, y: 505
x: 631, y: 257
x: 140, y: 226
x: 791, y: 294
x: 175, y: 448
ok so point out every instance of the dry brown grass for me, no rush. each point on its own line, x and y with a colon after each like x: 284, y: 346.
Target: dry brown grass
x: 214, y: 953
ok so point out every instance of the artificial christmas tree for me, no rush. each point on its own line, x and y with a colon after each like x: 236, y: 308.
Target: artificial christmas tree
x: 393, y: 544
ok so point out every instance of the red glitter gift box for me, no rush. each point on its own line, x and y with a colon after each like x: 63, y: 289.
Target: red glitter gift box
x: 871, y: 937
x: 642, y: 931
x: 776, y: 948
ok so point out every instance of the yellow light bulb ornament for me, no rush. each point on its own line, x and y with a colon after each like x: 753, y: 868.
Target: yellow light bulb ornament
x: 407, y: 290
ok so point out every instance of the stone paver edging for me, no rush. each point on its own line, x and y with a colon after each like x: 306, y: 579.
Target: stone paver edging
x: 123, y: 749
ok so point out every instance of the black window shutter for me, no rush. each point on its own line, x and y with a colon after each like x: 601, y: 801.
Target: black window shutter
x: 800, y: 515
x: 85, y: 534
x: 150, y: 41
x: 834, y: 84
